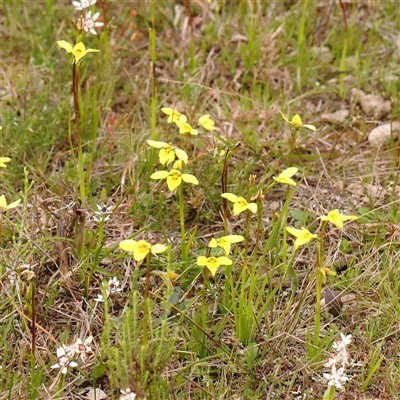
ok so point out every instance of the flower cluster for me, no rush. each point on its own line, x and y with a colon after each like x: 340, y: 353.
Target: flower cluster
x: 337, y: 362
x: 112, y: 288
x: 3, y: 202
x: 181, y: 121
x: 303, y: 235
x: 168, y: 153
x: 67, y: 352
x: 88, y: 21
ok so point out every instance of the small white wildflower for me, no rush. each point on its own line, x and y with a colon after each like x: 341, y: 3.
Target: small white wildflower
x: 332, y: 360
x: 336, y: 377
x: 99, y: 298
x: 64, y: 361
x: 103, y: 213
x: 12, y: 275
x: 82, y: 4
x: 128, y: 395
x: 342, y: 343
x: 113, y: 286
x: 89, y: 22
x: 79, y: 347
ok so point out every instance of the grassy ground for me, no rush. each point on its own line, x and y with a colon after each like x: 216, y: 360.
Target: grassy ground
x: 258, y: 328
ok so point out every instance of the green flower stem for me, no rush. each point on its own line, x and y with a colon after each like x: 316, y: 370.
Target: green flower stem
x: 247, y: 236
x: 259, y: 221
x: 153, y: 106
x: 318, y: 285
x: 292, y: 142
x: 75, y: 91
x: 182, y: 222
x: 1, y: 229
x: 329, y: 393
x: 60, y: 386
x: 203, y: 306
x: 146, y: 302
x: 242, y: 295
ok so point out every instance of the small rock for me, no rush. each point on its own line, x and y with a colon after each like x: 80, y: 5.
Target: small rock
x: 372, y: 104
x: 96, y: 394
x: 339, y: 116
x: 331, y: 299
x: 383, y: 134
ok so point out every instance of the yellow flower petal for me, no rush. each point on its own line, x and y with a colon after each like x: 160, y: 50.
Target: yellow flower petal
x: 157, y: 145
x: 13, y: 204
x: 285, y: 181
x: 230, y: 196
x: 213, y: 243
x: 141, y: 249
x: 173, y: 181
x: 167, y: 155
x: 302, y: 236
x: 173, y: 114
x: 296, y: 121
x: 201, y: 261
x: 189, y: 178
x: 207, y: 123
x: 252, y: 207
x: 326, y: 271
x: 3, y: 202
x: 284, y: 117
x: 158, y: 248
x: 3, y: 160
x: 288, y: 172
x: 159, y: 175
x: 311, y: 127
x: 128, y: 245
x: 212, y: 265
x: 224, y: 244
x: 170, y: 275
x: 238, y: 208
x: 4, y: 206
x: 79, y: 51
x: 224, y: 261
x: 65, y: 45
x: 181, y: 155
x: 234, y: 238
x: 177, y: 164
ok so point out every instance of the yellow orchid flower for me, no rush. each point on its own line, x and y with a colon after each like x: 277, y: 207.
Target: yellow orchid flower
x: 336, y: 218
x: 285, y: 176
x: 168, y: 153
x: 141, y: 248
x: 225, y: 242
x: 178, y: 164
x: 4, y: 206
x: 185, y: 127
x: 240, y: 203
x: 213, y: 263
x: 207, y: 123
x: 170, y: 275
x: 326, y: 271
x: 79, y: 50
x: 3, y: 160
x: 296, y: 122
x: 173, y: 114
x: 174, y: 178
x: 302, y: 236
